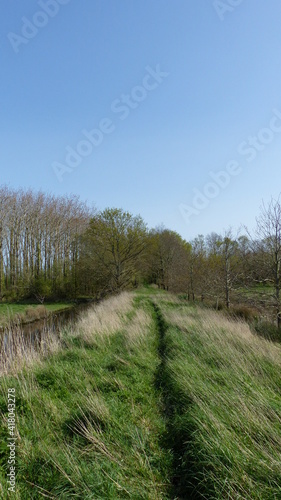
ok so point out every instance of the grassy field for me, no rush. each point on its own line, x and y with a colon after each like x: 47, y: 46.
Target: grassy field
x: 259, y: 295
x: 148, y: 398
x: 8, y: 312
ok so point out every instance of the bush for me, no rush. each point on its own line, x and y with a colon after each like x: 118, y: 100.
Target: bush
x: 183, y: 296
x: 42, y: 311
x: 219, y: 306
x: 17, y: 319
x: 31, y: 314
x: 244, y: 312
x: 267, y: 330
x: 35, y: 313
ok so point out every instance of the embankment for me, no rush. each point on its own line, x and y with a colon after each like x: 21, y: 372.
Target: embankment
x: 147, y: 398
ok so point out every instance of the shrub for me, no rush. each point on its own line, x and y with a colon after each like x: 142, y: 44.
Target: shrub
x: 244, y: 312
x: 267, y: 330
x: 183, y: 296
x: 35, y: 313
x: 219, y: 306
x: 17, y: 319
x: 42, y: 311
x: 31, y: 314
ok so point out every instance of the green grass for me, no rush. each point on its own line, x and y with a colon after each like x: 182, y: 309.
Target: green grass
x: 257, y: 294
x: 257, y: 289
x: 149, y: 398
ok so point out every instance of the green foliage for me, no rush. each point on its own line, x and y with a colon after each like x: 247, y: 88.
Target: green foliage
x: 267, y: 330
x: 114, y: 244
x: 41, y: 289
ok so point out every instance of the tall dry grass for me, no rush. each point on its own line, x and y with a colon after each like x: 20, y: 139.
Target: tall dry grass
x: 138, y: 327
x: 231, y: 379
x: 19, y: 350
x: 104, y: 318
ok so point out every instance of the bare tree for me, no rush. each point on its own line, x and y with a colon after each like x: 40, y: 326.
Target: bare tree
x: 269, y: 234
x: 40, y: 240
x: 228, y: 247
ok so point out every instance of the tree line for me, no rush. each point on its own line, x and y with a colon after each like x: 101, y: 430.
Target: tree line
x: 39, y: 244
x: 57, y: 247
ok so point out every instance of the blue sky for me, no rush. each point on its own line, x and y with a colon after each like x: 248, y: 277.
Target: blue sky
x: 221, y: 89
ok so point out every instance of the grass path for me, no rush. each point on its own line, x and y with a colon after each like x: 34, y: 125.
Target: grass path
x: 175, y: 403
x: 148, y: 398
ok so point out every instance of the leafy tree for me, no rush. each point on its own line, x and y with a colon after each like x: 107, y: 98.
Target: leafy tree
x: 115, y: 242
x: 168, y: 259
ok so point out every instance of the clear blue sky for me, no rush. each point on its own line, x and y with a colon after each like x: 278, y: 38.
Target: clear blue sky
x: 223, y: 83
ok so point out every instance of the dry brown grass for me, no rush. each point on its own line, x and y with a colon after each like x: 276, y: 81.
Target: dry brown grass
x: 230, y: 341
x: 35, y: 313
x: 17, y: 351
x: 233, y: 336
x: 166, y: 298
x: 105, y: 318
x: 138, y: 328
x: 236, y: 337
x: 180, y: 318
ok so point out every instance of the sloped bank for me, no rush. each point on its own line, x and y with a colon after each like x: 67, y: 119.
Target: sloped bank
x: 223, y: 404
